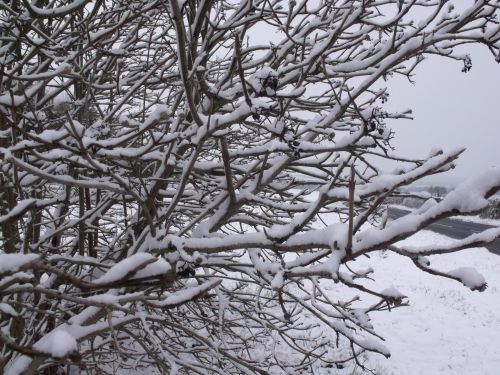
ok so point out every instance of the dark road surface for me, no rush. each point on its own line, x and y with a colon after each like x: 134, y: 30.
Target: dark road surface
x: 453, y: 228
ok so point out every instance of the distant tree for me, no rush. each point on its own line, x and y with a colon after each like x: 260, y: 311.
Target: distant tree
x: 438, y: 191
x: 493, y: 209
x: 166, y: 176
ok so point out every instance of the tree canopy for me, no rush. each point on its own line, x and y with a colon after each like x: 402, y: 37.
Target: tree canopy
x: 175, y: 193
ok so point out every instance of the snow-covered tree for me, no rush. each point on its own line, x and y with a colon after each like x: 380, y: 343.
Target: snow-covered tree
x: 181, y: 180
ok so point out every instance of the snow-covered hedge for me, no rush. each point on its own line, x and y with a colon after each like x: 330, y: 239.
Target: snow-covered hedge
x: 181, y: 180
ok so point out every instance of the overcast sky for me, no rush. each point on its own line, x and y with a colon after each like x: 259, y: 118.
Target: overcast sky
x: 451, y: 109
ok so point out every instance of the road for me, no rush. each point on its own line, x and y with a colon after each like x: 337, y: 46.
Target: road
x: 453, y: 228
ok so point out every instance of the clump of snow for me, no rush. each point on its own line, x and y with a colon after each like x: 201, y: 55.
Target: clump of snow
x: 264, y: 81
x: 393, y: 293
x: 125, y: 267
x: 76, y: 129
x: 58, y: 344
x: 12, y: 262
x: 469, y: 277
x: 160, y: 267
x: 187, y: 294
x: 427, y: 205
x: 21, y: 207
x: 161, y: 112
x: 18, y: 366
x: 278, y: 280
x: 7, y: 309
x: 469, y: 196
x: 61, y: 102
x: 375, y: 344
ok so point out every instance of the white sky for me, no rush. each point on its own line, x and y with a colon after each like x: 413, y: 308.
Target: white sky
x: 451, y: 109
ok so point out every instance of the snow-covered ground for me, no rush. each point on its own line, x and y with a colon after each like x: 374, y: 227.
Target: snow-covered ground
x: 447, y: 329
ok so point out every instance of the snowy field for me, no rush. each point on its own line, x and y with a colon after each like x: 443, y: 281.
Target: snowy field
x: 447, y: 329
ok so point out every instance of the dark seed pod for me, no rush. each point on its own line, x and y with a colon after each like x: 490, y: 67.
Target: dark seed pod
x: 271, y: 82
x: 186, y: 272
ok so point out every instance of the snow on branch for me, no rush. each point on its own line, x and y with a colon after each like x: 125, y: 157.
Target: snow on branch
x: 177, y: 186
